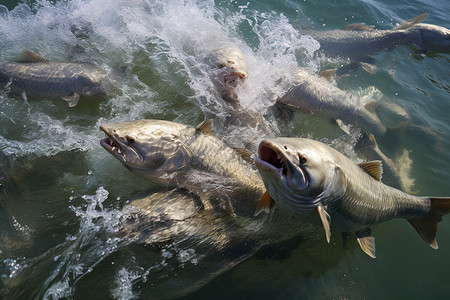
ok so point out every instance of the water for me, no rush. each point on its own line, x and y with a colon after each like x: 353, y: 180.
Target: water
x: 61, y: 193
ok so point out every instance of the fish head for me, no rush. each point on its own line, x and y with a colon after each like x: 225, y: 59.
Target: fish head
x: 231, y: 64
x: 231, y: 75
x: 90, y: 83
x: 298, y: 173
x: 433, y: 38
x: 153, y: 148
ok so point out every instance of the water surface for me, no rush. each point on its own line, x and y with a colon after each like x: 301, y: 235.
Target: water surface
x: 62, y: 194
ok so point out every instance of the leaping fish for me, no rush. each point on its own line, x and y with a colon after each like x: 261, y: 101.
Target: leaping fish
x: 316, y: 182
x: 228, y: 65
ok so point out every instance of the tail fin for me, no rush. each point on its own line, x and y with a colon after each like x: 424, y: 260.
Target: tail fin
x: 427, y: 227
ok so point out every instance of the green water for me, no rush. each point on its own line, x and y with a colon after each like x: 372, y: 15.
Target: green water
x: 61, y: 191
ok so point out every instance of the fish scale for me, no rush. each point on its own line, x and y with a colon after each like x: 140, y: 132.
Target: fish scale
x: 315, y: 178
x: 39, y: 78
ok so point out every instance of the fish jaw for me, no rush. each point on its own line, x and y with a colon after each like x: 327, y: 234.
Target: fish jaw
x: 114, y: 145
x: 283, y: 179
x: 233, y: 79
x: 149, y: 147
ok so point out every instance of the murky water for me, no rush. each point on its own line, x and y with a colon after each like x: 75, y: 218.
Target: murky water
x: 61, y: 193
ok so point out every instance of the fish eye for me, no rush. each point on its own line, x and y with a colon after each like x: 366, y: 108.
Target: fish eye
x: 130, y: 140
x: 303, y: 159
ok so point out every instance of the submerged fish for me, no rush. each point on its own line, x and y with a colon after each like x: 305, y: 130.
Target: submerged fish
x: 37, y: 77
x: 317, y: 182
x: 316, y: 95
x: 360, y: 41
x: 368, y: 146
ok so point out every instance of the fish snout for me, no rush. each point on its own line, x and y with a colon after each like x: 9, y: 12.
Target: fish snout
x: 233, y: 79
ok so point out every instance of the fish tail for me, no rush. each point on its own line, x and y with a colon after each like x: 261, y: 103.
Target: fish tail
x: 429, y: 135
x: 427, y: 227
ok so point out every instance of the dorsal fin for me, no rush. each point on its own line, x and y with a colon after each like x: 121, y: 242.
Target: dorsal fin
x: 206, y: 127
x: 374, y: 168
x: 408, y: 24
x: 28, y: 56
x: 326, y: 220
x: 246, y: 155
x: 264, y: 204
x: 359, y: 27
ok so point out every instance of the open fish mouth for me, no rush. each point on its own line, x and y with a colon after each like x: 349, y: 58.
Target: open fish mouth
x: 111, y: 145
x: 234, y: 79
x: 270, y: 160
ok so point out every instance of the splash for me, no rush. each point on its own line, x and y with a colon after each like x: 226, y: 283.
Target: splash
x: 84, y: 250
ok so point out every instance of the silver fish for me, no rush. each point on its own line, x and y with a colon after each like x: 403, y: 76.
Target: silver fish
x: 210, y: 210
x: 178, y: 155
x: 228, y: 66
x: 316, y: 95
x: 37, y: 77
x: 360, y: 41
x: 317, y: 182
x: 228, y: 57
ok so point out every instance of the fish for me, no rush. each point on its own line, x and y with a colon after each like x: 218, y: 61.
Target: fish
x: 321, y: 185
x: 360, y: 41
x: 207, y: 211
x: 172, y: 154
x: 313, y: 94
x: 392, y: 173
x: 37, y: 77
x: 227, y: 64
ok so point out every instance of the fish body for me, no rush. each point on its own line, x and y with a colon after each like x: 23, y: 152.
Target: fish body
x: 319, y: 183
x: 316, y: 95
x: 39, y: 78
x: 178, y: 155
x: 359, y: 42
x: 209, y: 207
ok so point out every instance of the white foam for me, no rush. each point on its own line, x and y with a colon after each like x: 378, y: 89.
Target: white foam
x: 124, y: 285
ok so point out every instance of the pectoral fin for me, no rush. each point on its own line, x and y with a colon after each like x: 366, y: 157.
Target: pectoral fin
x: 264, y: 204
x: 72, y: 99
x: 366, y: 241
x: 345, y: 128
x: 326, y: 219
